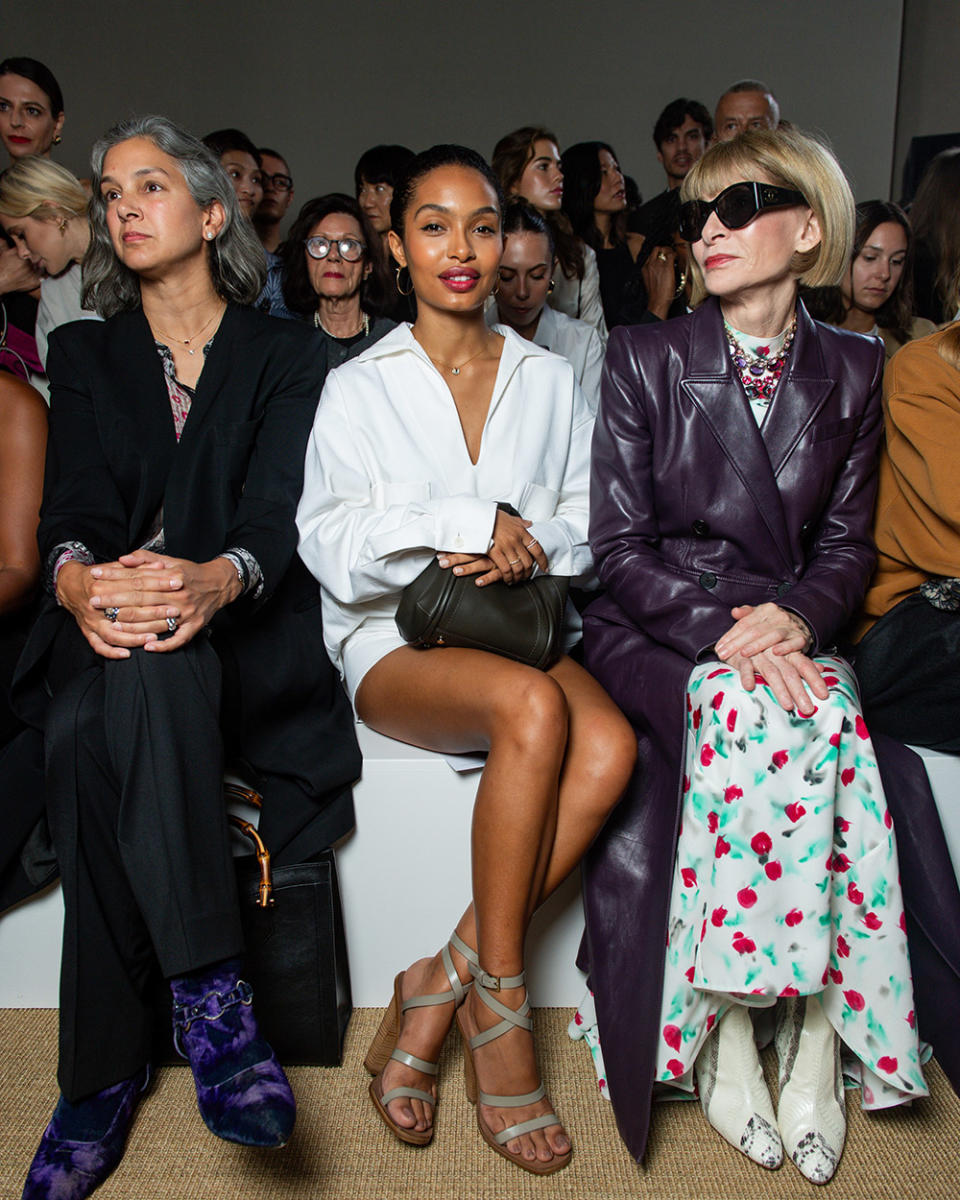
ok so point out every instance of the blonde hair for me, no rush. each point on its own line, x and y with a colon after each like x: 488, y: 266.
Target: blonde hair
x: 37, y: 187
x: 792, y: 159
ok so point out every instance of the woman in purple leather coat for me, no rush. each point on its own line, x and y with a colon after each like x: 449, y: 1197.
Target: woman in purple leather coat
x: 733, y: 488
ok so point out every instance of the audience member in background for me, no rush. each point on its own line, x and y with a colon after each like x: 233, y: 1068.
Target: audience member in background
x: 31, y: 108
x: 277, y: 183
x: 172, y: 577
x: 594, y: 200
x: 527, y: 163
x: 907, y: 658
x: 485, y: 417
x: 31, y: 120
x: 751, y: 864
x: 876, y: 294
x: 374, y: 178
x: 935, y: 217
x: 240, y: 158
x: 527, y: 270
x: 43, y: 210
x: 748, y: 104
x: 333, y: 275
x: 681, y: 135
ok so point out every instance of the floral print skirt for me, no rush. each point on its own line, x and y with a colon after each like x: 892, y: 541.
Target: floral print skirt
x: 786, y: 880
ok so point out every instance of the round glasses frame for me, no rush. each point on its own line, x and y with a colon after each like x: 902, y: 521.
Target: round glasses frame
x: 349, y: 249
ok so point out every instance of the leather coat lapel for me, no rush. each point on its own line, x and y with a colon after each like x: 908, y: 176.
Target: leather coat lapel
x: 803, y: 391
x: 712, y: 386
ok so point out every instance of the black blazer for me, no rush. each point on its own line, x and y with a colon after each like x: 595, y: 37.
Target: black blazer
x: 233, y: 479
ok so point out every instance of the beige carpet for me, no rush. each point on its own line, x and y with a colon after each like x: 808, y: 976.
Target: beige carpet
x: 340, y: 1151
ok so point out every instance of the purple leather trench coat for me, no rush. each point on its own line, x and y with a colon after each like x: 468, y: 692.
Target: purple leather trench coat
x: 695, y: 509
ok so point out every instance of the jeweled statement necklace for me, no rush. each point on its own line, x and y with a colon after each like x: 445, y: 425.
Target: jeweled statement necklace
x: 760, y: 368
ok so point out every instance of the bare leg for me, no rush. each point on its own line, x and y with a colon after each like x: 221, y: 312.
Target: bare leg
x: 560, y: 756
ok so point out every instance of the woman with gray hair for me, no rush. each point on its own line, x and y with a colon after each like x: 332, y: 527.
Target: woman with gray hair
x: 177, y: 438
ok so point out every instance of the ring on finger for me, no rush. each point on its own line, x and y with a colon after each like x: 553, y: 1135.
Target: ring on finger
x: 111, y: 613
x: 172, y: 624
x: 533, y: 543
x: 513, y: 562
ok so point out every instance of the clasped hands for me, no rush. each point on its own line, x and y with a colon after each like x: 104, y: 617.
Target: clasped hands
x: 511, y: 557
x: 771, y: 642
x: 146, y: 589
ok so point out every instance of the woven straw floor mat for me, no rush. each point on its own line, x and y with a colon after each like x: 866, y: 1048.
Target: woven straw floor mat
x: 341, y: 1151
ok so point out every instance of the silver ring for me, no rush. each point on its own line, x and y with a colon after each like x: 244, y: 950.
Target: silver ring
x: 661, y: 257
x: 513, y: 562
x: 172, y: 624
x: 533, y: 543
x: 111, y: 613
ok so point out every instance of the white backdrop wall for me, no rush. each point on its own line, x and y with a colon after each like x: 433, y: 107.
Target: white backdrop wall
x: 323, y: 81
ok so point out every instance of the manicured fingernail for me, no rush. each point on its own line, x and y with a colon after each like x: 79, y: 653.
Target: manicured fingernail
x: 176, y: 583
x: 444, y: 562
x: 94, y: 600
x: 456, y: 570
x: 96, y: 572
x: 479, y: 581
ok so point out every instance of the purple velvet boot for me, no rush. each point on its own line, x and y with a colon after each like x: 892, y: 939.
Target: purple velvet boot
x: 242, y: 1092
x: 84, y: 1142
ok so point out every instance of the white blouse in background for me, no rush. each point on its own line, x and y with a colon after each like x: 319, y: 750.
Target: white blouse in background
x: 388, y: 481
x: 59, y: 304
x: 580, y: 298
x: 578, y: 342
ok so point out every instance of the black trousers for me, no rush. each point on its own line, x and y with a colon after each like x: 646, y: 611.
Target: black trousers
x: 907, y: 666
x: 134, y: 770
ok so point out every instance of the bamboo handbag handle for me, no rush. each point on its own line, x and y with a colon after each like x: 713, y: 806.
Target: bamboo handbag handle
x: 235, y: 791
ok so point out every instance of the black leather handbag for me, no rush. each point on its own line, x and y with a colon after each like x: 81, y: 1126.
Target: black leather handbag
x: 522, y: 621
x: 295, y: 953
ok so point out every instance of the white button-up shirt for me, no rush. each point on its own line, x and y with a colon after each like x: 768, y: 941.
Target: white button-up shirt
x: 578, y: 342
x: 388, y: 480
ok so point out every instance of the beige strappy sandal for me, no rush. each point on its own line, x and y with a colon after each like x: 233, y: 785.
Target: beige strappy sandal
x: 384, y: 1047
x: 484, y: 986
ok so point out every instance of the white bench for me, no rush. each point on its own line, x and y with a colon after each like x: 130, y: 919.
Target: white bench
x: 404, y: 878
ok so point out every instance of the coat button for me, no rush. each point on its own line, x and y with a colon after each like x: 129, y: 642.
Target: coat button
x: 700, y: 527
x: 783, y: 588
x: 458, y: 543
x: 708, y: 580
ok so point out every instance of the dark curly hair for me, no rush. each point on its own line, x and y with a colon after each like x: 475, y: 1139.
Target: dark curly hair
x: 298, y: 293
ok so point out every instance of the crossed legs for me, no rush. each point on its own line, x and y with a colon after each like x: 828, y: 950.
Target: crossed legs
x: 560, y: 754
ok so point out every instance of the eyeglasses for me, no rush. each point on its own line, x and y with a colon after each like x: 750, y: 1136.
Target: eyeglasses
x: 735, y: 207
x: 279, y: 183
x: 350, y: 249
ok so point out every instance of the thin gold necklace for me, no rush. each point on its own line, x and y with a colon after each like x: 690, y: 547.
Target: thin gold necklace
x: 447, y: 366
x: 363, y: 328
x: 186, y: 341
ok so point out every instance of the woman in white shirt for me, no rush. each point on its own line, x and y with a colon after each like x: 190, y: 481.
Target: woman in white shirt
x: 43, y: 209
x: 527, y: 273
x: 414, y: 443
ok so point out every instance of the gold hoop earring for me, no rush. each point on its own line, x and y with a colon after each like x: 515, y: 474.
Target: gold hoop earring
x: 399, y: 288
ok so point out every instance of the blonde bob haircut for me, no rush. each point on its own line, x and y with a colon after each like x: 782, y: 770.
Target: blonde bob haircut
x: 36, y: 187
x: 792, y: 159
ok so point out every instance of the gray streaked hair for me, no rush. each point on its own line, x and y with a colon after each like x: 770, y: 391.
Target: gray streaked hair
x: 238, y: 267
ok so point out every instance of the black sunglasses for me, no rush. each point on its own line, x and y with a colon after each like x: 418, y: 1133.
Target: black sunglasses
x: 735, y: 207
